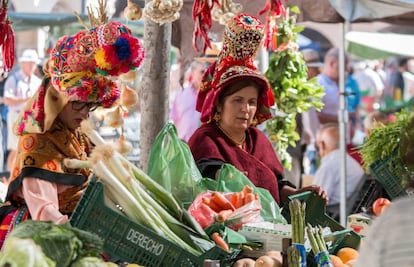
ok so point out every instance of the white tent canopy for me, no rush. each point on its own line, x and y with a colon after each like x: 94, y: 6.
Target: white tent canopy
x: 352, y: 10
x: 372, y: 45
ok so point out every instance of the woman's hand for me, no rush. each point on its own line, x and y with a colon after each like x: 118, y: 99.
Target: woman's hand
x: 317, y: 189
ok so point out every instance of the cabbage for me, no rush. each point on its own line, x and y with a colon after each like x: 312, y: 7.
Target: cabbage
x: 61, y: 243
x: 19, y: 252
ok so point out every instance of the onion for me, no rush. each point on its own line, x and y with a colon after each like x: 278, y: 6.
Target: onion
x: 114, y: 118
x: 129, y: 97
x: 123, y: 146
x: 130, y: 76
x: 132, y: 11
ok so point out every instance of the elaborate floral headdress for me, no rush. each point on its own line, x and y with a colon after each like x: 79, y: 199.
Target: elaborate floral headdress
x: 83, y: 67
x: 242, y: 39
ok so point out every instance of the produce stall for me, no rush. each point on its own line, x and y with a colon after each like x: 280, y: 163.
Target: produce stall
x: 129, y: 216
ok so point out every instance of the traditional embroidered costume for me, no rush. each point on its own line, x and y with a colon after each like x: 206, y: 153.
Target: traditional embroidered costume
x: 211, y: 145
x: 81, y: 68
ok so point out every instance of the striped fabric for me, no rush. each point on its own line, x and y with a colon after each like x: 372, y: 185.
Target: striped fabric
x: 11, y: 220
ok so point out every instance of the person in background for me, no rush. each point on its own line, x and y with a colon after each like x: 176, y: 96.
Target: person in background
x: 370, y: 85
x: 396, y: 81
x: 233, y: 99
x: 41, y: 187
x: 19, y: 87
x: 183, y: 112
x: 310, y: 120
x: 374, y: 120
x: 353, y: 100
x: 329, y: 79
x: 329, y: 172
x: 307, y: 124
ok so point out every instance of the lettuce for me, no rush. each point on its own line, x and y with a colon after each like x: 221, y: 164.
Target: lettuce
x: 60, y: 243
x: 19, y: 252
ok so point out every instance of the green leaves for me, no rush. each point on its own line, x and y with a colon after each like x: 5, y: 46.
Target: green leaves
x: 294, y: 93
x: 390, y: 142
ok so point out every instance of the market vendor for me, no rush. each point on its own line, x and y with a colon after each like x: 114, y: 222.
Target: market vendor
x: 234, y: 98
x: 79, y: 78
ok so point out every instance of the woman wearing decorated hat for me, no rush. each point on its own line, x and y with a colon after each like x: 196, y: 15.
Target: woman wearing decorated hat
x: 233, y: 99
x: 79, y: 77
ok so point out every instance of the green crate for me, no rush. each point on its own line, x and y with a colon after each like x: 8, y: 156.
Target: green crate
x: 131, y: 242
x: 315, y: 214
x: 385, y: 174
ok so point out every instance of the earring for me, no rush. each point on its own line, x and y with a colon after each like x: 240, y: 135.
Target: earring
x: 255, y: 121
x: 217, y: 117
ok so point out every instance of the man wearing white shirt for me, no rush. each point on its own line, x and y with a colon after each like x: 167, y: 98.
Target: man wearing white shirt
x: 328, y: 174
x: 19, y: 87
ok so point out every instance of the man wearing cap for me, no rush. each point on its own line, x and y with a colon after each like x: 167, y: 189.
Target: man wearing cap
x: 19, y: 87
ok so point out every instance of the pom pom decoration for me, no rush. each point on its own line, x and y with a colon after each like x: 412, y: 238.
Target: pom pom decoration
x: 113, y: 59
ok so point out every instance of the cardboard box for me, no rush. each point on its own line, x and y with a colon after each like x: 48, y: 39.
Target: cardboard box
x: 359, y: 222
x: 269, y: 233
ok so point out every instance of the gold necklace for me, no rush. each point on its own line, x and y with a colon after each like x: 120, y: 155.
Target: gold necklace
x: 240, y: 142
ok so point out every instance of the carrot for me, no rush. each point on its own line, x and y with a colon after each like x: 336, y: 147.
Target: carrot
x: 249, y: 198
x: 247, y: 189
x: 237, y: 199
x: 204, y: 215
x: 220, y: 241
x: 206, y: 200
x: 234, y: 199
x: 221, y: 201
x: 223, y: 215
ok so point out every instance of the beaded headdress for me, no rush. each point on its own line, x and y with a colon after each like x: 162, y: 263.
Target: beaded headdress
x: 242, y: 39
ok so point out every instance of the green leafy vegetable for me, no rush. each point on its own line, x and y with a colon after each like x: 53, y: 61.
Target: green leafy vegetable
x: 19, y: 252
x: 385, y: 143
x: 294, y: 93
x: 62, y: 243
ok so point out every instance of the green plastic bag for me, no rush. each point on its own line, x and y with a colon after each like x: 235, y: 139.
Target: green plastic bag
x: 172, y: 165
x: 230, y: 179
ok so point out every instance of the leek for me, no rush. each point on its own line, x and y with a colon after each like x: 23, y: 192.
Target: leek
x: 141, y: 198
x: 162, y: 218
x: 136, y: 202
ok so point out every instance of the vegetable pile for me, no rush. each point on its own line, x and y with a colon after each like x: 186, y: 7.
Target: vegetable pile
x: 233, y: 209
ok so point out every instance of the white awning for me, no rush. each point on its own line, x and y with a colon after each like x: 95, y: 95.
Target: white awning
x: 372, y: 45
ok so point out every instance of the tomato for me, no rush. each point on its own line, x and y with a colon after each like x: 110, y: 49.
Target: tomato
x: 380, y: 205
